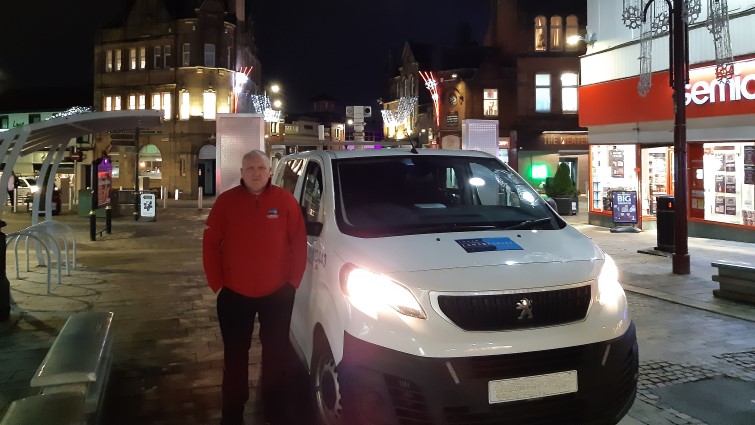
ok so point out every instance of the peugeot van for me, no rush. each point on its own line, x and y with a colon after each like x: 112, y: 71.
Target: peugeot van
x: 441, y: 289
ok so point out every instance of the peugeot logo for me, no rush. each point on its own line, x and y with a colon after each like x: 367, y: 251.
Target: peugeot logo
x: 526, y: 306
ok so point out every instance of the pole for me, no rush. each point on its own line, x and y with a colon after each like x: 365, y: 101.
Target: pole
x: 136, y: 174
x: 4, y: 283
x: 680, y: 262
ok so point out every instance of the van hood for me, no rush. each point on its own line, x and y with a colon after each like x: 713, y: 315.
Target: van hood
x: 437, y: 251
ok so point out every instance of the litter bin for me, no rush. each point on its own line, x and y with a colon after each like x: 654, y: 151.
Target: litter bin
x: 665, y: 220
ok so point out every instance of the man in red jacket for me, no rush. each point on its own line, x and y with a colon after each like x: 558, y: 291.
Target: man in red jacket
x: 254, y: 253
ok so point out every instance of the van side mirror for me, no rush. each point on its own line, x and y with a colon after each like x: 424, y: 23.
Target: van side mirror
x: 314, y: 228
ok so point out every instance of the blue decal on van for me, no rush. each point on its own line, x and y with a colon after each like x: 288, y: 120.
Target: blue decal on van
x: 488, y: 244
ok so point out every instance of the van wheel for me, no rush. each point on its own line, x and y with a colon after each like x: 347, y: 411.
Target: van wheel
x: 326, y: 387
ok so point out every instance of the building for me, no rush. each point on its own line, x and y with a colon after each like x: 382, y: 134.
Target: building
x: 525, y: 76
x: 190, y: 59
x: 631, y: 134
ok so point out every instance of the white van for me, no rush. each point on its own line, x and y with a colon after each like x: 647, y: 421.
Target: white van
x: 441, y: 289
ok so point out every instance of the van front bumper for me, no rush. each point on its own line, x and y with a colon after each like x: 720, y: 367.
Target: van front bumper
x: 384, y: 386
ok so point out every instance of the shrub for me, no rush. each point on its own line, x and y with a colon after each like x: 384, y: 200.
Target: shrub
x: 561, y: 185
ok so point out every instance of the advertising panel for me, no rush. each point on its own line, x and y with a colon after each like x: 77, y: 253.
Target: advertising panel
x: 104, y: 181
x: 624, y: 206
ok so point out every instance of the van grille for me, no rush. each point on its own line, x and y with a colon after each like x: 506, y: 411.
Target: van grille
x: 499, y: 312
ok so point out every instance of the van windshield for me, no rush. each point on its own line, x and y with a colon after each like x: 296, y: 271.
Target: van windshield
x: 400, y: 195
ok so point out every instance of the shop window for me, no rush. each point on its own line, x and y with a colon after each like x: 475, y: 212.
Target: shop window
x: 569, y: 84
x: 572, y: 29
x: 540, y: 34
x: 115, y: 161
x: 613, y: 169
x: 209, y: 55
x: 557, y: 34
x: 542, y: 92
x: 490, y: 102
x: 728, y: 182
x: 150, y: 162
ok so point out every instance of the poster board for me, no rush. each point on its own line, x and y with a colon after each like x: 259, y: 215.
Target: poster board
x: 624, y: 206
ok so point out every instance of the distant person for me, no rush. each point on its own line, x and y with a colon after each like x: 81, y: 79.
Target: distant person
x: 254, y: 252
x: 12, y: 184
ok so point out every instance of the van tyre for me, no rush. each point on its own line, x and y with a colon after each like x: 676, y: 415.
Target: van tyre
x: 326, y: 386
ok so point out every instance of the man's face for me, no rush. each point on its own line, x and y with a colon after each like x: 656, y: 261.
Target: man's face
x: 255, y: 172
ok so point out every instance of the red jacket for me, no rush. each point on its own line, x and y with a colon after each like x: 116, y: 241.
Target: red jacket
x: 254, y: 244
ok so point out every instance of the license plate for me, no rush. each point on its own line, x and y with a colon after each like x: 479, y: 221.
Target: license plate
x: 530, y: 387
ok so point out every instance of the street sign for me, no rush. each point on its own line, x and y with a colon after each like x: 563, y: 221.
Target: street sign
x: 122, y: 139
x: 76, y: 156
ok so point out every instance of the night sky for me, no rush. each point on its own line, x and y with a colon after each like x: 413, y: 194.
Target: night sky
x: 336, y: 47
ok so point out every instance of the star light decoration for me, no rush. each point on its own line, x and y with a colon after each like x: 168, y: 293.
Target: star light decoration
x: 395, y: 118
x: 432, y: 85
x: 261, y: 103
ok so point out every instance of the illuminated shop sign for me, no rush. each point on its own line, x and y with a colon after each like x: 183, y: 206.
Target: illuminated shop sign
x: 704, y: 87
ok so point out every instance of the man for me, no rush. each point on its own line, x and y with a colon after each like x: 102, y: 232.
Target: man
x: 254, y: 252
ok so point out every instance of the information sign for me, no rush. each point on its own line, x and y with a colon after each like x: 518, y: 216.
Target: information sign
x: 147, y: 206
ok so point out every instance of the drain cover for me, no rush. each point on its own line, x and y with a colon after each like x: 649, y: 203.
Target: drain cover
x: 716, y: 401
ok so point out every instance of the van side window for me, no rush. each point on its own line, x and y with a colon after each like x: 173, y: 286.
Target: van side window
x: 312, y: 194
x: 291, y: 173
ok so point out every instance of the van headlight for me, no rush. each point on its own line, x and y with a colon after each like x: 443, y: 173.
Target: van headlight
x: 610, y: 291
x: 371, y: 293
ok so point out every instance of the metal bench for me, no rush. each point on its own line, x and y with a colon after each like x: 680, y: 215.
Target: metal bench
x: 736, y: 281
x: 65, y: 408
x: 79, y: 360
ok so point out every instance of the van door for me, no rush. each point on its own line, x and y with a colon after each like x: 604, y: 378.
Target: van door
x: 311, y: 203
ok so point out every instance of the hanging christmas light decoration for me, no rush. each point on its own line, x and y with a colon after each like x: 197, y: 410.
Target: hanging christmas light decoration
x: 432, y: 85
x: 397, y: 117
x: 261, y: 105
x: 75, y: 110
x: 239, y: 79
x: 646, y: 58
x: 718, y: 25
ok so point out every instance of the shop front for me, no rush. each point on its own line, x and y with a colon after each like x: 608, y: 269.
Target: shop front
x: 632, y: 150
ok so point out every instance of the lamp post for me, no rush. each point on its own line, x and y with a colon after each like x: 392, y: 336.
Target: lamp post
x: 679, y: 76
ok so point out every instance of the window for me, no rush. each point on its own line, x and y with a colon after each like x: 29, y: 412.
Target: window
x: 209, y: 55
x: 167, y: 105
x: 540, y: 34
x: 312, y: 194
x: 158, y: 54
x: 228, y: 59
x: 118, y: 60
x: 156, y: 101
x: 490, y: 102
x: 142, y: 57
x: 186, y: 57
x: 108, y: 104
x: 4, y: 123
x: 184, y: 109
x: 109, y: 61
x: 210, y: 103
x: 166, y: 57
x: 34, y: 118
x: 542, y: 92
x: 141, y: 101
x: 557, y: 34
x: 291, y: 174
x: 131, y: 101
x: 132, y: 58
x: 569, y: 83
x: 572, y: 29
x: 117, y: 103
x: 150, y: 162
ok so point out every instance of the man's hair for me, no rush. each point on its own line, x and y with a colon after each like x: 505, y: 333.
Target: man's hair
x: 257, y: 153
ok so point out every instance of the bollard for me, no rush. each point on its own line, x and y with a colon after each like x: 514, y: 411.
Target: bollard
x: 164, y: 194
x: 4, y: 283
x: 176, y: 195
x: 109, y: 219
x: 92, y: 225
x: 199, y: 198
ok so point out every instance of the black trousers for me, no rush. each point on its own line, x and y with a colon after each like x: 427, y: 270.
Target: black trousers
x: 236, y: 315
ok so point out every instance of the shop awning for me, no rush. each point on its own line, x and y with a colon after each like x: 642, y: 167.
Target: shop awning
x: 728, y: 128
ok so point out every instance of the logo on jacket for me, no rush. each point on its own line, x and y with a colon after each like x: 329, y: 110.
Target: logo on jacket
x: 272, y: 213
x: 526, y: 306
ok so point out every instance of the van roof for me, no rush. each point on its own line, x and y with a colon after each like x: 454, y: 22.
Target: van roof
x: 368, y: 153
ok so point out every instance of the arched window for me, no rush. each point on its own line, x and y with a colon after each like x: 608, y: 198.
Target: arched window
x: 557, y: 34
x: 150, y: 162
x: 540, y: 34
x: 413, y: 91
x: 572, y: 29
